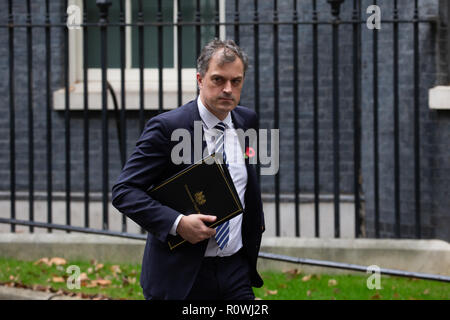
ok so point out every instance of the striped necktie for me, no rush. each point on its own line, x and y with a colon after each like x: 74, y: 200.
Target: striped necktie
x: 223, y: 230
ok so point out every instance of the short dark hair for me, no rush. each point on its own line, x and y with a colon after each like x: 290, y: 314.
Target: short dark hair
x: 230, y: 52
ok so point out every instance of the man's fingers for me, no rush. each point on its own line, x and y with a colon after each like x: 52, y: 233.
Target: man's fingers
x: 207, y: 218
x: 212, y: 232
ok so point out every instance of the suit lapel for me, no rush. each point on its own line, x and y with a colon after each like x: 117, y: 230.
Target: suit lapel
x: 195, y: 116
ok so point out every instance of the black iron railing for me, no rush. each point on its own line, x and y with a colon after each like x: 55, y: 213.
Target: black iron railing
x: 236, y: 24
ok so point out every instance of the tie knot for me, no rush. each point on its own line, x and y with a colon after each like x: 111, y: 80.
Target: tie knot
x: 220, y: 126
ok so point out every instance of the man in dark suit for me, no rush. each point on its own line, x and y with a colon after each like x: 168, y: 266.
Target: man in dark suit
x: 216, y: 263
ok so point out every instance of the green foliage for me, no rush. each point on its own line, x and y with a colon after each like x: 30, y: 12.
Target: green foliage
x: 121, y: 281
x: 293, y: 285
x: 116, y: 281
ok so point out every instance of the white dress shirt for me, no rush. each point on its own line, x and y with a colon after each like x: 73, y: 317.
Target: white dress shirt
x: 238, y: 172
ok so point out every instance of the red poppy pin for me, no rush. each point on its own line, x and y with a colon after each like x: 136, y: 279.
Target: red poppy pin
x: 249, y: 153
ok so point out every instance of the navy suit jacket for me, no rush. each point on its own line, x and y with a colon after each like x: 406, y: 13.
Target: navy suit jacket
x: 170, y: 274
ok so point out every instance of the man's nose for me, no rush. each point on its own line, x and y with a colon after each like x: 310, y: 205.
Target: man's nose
x: 227, y: 87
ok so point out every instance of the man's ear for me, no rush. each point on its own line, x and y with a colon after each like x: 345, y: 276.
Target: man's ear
x: 199, y: 80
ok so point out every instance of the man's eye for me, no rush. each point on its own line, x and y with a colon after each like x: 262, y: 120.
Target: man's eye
x: 217, y: 79
x: 236, y: 82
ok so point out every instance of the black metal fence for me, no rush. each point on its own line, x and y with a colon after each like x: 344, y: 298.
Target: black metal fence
x: 199, y: 25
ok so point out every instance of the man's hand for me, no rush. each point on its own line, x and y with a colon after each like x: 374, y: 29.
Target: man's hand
x: 193, y: 229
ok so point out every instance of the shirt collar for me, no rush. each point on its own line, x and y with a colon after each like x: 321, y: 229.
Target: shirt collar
x: 209, y: 119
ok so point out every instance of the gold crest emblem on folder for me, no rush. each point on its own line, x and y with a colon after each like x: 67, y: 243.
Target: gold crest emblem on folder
x: 200, y: 198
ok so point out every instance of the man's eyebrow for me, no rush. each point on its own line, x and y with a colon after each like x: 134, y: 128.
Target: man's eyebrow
x: 219, y: 75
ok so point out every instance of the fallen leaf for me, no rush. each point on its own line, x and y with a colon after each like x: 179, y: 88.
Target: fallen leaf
x: 90, y: 270
x: 308, y: 293
x: 376, y: 296
x: 336, y: 290
x: 426, y: 291
x: 53, y: 261
x: 14, y: 278
x: 293, y: 273
x: 396, y: 295
x: 57, y: 261
x: 42, y: 261
x: 38, y: 287
x: 115, y: 269
x: 412, y: 298
x: 306, y: 278
x: 83, y: 277
x: 128, y: 280
x: 282, y: 285
x: 98, y: 267
x: 102, y: 282
x: 271, y: 292
x: 257, y: 298
x: 332, y: 283
x: 58, y: 279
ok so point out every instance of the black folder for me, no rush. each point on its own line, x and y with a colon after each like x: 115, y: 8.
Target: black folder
x: 204, y: 187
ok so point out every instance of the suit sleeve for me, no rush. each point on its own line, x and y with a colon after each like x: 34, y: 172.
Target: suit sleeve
x: 149, y: 159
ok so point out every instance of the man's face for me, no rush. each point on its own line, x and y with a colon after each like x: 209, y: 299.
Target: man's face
x: 220, y: 87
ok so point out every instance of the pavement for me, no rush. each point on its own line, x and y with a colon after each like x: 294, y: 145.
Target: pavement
x: 10, y: 293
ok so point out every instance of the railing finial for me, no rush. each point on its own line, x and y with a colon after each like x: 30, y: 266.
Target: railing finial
x: 103, y: 6
x: 335, y: 6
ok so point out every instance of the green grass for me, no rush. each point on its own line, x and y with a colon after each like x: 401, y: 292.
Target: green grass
x: 124, y: 283
x: 297, y: 286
